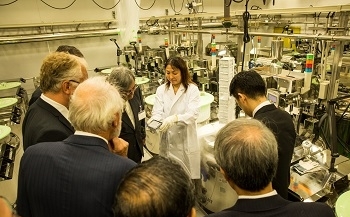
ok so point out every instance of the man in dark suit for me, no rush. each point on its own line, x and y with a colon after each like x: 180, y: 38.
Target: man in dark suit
x: 47, y: 118
x: 246, y: 151
x: 62, y: 48
x: 133, y: 119
x: 249, y: 90
x: 79, y: 175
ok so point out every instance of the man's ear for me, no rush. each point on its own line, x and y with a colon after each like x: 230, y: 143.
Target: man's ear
x: 116, y: 121
x: 241, y: 96
x: 65, y: 87
x: 224, y: 174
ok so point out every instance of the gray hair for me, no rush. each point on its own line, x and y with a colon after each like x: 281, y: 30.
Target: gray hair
x: 155, y: 188
x: 58, y: 67
x: 122, y: 78
x: 247, y: 152
x: 94, y: 105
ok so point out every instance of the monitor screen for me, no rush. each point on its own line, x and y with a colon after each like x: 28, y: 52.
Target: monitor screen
x: 272, y: 98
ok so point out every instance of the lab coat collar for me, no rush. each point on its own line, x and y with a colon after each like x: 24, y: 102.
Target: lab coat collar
x: 178, y: 94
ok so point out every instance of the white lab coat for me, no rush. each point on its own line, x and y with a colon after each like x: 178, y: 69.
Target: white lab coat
x: 186, y: 106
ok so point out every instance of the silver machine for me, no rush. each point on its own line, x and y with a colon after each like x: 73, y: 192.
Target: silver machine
x: 13, y: 104
x: 217, y: 194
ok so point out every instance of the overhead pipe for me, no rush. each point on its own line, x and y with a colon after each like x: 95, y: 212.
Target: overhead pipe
x: 31, y: 25
x: 303, y: 36
x: 57, y: 36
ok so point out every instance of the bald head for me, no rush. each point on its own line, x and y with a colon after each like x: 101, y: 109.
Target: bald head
x: 5, y: 208
x: 246, y: 150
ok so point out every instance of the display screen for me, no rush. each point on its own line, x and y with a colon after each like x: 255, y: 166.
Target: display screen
x: 272, y: 98
x: 154, y: 124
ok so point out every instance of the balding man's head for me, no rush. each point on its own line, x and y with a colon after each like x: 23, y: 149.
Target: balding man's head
x: 246, y: 150
x: 95, y: 105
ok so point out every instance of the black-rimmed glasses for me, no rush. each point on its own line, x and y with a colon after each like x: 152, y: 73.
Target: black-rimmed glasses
x: 74, y: 81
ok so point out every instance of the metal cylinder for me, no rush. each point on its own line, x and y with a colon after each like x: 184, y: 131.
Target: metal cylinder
x: 277, y: 49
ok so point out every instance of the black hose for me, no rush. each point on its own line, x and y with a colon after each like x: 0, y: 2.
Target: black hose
x: 246, y: 37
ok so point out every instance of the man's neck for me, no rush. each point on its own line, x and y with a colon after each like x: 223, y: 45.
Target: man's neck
x: 241, y: 191
x: 253, y: 103
x: 57, y: 97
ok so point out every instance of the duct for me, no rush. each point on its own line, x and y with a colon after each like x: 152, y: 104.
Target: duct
x: 57, y: 36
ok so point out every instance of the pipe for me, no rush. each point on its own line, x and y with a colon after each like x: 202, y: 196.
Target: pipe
x: 35, y: 25
x: 57, y: 36
x: 304, y: 36
x: 200, y: 41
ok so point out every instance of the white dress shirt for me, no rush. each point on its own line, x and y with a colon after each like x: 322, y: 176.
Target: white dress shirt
x: 260, y: 106
x: 128, y: 111
x: 61, y: 108
x: 272, y: 193
x: 82, y: 133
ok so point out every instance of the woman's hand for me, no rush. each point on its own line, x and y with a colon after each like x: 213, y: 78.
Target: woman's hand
x: 168, y: 122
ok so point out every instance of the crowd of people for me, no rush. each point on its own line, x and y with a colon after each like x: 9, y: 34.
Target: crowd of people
x: 84, y: 139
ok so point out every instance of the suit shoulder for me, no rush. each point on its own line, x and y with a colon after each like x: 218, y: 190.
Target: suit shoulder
x: 223, y: 214
x: 43, y: 147
x: 123, y: 161
x: 316, y: 209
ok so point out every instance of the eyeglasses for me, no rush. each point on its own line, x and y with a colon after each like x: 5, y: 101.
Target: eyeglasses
x: 74, y: 81
x: 132, y: 90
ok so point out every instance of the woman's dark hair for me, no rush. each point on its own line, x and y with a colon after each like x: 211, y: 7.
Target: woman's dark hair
x: 179, y: 63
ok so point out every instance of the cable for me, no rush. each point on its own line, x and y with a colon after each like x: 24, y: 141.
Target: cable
x: 173, y: 4
x: 246, y: 16
x: 145, y: 9
x: 155, y: 22
x: 104, y: 7
x: 246, y: 37
x: 56, y: 7
x: 8, y: 3
x: 342, y: 116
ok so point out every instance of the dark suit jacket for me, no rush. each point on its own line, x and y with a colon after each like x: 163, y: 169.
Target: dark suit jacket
x: 134, y: 136
x: 35, y: 95
x: 43, y: 123
x: 281, y: 124
x: 275, y: 206
x: 75, y: 177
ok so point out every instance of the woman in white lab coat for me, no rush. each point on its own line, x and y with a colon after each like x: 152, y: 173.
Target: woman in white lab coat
x: 177, y: 107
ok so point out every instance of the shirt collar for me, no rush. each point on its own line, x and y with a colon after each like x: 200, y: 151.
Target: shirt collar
x: 82, y: 133
x: 272, y: 193
x: 260, y: 106
x: 59, y: 107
